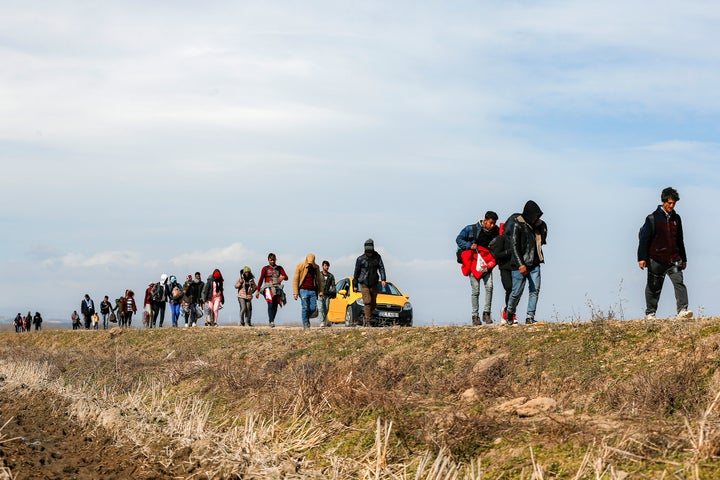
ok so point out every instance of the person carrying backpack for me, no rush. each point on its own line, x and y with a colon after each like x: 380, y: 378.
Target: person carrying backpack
x: 661, y: 249
x: 471, y: 238
x: 158, y: 298
x: 245, y: 286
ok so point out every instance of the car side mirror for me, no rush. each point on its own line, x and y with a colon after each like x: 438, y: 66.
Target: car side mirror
x: 407, y: 297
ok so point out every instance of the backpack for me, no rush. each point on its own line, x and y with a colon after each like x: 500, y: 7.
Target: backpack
x: 459, y: 250
x: 158, y: 293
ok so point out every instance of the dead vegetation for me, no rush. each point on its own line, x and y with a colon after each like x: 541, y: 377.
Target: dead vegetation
x: 604, y: 399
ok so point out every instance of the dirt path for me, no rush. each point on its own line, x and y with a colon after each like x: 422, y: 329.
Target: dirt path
x: 50, y: 446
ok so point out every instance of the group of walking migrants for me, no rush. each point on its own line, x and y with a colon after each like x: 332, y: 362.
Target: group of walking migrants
x: 515, y: 247
x: 25, y: 324
x: 313, y: 285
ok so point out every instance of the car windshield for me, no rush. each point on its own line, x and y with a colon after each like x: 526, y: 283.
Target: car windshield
x: 389, y: 289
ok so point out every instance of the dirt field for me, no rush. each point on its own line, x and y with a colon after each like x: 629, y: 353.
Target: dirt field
x: 39, y: 440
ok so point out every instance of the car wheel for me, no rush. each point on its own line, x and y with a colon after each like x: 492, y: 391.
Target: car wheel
x: 350, y: 319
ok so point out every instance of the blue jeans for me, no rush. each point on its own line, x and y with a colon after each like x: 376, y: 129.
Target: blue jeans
x: 518, y: 282
x: 475, y: 292
x: 175, y: 309
x: 308, y: 300
x: 323, y: 304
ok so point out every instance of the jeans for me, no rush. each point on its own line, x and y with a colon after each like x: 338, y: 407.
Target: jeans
x: 323, y: 304
x: 655, y: 279
x: 487, y: 280
x: 105, y: 320
x: 533, y: 279
x: 175, y: 311
x: 272, y: 309
x: 245, y: 311
x: 308, y: 300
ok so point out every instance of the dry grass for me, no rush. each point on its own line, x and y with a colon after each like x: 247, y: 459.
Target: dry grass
x: 386, y: 403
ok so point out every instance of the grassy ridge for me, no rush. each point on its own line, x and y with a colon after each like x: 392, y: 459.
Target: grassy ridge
x: 629, y: 396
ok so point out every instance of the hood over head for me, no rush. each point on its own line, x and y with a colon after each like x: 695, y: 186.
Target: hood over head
x: 163, y: 278
x: 531, y: 212
x: 310, y: 258
x: 369, y: 245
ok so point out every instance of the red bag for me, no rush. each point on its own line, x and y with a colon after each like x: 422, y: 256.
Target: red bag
x: 477, y: 262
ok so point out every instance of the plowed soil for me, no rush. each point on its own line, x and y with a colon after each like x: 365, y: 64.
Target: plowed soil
x: 39, y: 440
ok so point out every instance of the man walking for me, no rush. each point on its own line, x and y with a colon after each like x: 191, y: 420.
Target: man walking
x: 369, y: 270
x: 662, y: 250
x: 87, y: 308
x: 528, y: 233
x: 471, y: 237
x: 328, y: 281
x: 308, y: 285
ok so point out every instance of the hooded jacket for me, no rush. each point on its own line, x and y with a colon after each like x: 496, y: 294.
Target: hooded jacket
x: 526, y: 238
x: 301, y: 272
x: 216, y: 280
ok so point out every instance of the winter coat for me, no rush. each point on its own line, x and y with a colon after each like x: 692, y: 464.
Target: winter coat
x: 470, y: 260
x: 476, y: 234
x: 527, y: 240
x: 301, y: 271
x: 661, y: 238
x: 245, y: 287
x: 207, y: 292
x: 369, y: 270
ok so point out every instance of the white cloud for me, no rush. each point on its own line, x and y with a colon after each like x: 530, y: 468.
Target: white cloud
x: 78, y: 260
x: 214, y: 256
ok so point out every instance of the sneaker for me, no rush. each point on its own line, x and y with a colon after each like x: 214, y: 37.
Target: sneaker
x: 685, y: 314
x: 513, y: 322
x: 529, y: 321
x: 486, y: 318
x: 503, y: 313
x: 272, y: 324
x: 503, y: 322
x: 650, y: 316
x: 186, y: 325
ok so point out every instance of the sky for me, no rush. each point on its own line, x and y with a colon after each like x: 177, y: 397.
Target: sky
x: 141, y: 138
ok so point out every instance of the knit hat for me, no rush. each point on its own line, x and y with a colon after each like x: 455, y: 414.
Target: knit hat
x: 369, y: 245
x: 246, y: 269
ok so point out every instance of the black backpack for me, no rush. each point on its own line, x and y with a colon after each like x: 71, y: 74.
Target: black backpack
x: 158, y: 293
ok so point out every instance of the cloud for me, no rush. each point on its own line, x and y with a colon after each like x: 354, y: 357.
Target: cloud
x: 214, y: 256
x: 680, y: 146
x: 78, y: 260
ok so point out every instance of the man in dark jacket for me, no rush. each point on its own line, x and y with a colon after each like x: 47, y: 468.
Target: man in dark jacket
x: 528, y: 233
x: 662, y: 250
x: 469, y: 238
x: 369, y: 270
x: 87, y: 308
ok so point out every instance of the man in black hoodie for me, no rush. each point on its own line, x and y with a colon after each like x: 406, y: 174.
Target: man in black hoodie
x: 528, y: 234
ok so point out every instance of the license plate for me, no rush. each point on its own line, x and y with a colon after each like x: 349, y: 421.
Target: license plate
x: 388, y: 314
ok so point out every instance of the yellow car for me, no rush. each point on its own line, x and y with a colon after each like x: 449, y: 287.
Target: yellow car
x: 393, y: 307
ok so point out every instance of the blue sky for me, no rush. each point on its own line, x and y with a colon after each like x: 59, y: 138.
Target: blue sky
x: 145, y: 138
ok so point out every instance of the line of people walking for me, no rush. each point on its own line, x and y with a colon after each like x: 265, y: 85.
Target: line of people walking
x: 194, y: 299
x: 26, y: 323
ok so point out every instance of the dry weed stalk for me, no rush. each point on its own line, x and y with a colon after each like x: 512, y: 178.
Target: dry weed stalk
x: 704, y: 440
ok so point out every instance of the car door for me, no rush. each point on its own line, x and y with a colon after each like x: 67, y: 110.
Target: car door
x: 336, y: 311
